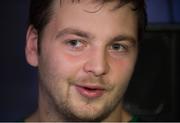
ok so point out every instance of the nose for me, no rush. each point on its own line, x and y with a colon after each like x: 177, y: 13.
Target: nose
x: 97, y: 64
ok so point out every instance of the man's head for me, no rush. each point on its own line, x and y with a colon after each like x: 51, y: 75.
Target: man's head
x: 88, y: 53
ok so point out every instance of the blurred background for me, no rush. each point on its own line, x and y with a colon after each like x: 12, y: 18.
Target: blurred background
x: 153, y: 92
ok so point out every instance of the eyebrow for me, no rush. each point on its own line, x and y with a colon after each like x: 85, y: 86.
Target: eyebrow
x: 74, y: 31
x: 124, y: 37
x: 87, y: 35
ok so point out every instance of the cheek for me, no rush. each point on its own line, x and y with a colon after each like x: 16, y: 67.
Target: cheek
x: 122, y: 70
x: 123, y: 66
x: 120, y: 76
x: 61, y: 63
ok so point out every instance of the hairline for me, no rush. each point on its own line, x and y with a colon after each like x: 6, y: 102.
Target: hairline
x: 50, y: 10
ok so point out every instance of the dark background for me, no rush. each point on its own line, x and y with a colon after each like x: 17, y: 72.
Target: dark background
x: 153, y: 91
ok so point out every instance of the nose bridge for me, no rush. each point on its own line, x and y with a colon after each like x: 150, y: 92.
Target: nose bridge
x: 97, y: 62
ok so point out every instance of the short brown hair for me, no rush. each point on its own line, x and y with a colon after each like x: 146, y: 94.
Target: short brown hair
x: 40, y: 13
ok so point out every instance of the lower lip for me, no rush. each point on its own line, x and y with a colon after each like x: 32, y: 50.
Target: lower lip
x: 89, y: 93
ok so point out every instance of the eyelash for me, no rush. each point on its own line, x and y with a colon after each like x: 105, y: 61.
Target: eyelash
x: 122, y: 47
x: 71, y: 41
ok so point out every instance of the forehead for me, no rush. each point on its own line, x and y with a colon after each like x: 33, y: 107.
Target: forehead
x: 87, y: 1
x: 94, y: 4
x: 95, y: 17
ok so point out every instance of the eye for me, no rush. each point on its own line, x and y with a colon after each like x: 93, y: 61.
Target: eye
x: 118, y: 47
x: 76, y: 45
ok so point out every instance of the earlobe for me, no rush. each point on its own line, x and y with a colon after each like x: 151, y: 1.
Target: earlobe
x: 31, y: 49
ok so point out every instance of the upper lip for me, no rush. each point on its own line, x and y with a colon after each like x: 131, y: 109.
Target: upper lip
x: 91, y: 86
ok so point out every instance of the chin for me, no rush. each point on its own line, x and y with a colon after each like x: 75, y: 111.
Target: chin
x: 87, y: 115
x: 86, y: 118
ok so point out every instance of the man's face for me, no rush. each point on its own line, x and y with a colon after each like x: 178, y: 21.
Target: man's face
x: 86, y: 58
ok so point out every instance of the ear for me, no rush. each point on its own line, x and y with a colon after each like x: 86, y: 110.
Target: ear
x: 31, y: 49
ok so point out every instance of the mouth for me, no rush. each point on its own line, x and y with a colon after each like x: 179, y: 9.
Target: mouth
x: 90, y: 91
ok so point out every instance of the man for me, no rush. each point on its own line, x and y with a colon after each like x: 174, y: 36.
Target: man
x: 85, y: 52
